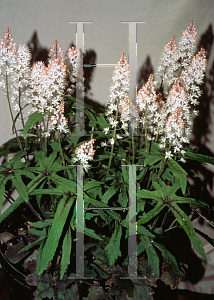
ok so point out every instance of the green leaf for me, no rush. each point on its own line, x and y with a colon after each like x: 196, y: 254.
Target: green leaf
x: 109, y: 193
x: 55, y: 191
x: 141, y: 205
x: 113, y: 248
x: 35, y: 182
x: 123, y: 197
x: 160, y: 189
x: 90, y: 232
x: 50, y: 160
x: 68, y: 184
x: 205, y: 236
x: 96, y: 293
x: 41, y: 224
x: 98, y: 204
x: 37, y: 242
x: 37, y: 232
x: 121, y: 153
x: 39, y: 255
x: 145, y: 194
x: 11, y: 208
x: 168, y: 256
x: 71, y: 293
x: 153, y: 159
x: 141, y: 247
x: 143, y: 231
x: 32, y: 119
x: 151, y: 214
x: 17, y: 158
x: 2, y: 190
x: 75, y: 136
x: 186, y: 224
x: 55, y: 231
x: 90, y: 184
x: 102, y: 157
x: 66, y: 252
x: 44, y: 290
x: 199, y: 157
x: 125, y: 173
x: 153, y: 258
x: 102, y: 121
x: 179, y: 173
x: 21, y: 187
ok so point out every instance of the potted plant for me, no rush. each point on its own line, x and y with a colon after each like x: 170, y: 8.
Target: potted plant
x: 95, y: 207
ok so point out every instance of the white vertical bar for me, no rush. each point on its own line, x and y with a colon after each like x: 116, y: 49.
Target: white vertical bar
x: 132, y: 239
x: 80, y: 224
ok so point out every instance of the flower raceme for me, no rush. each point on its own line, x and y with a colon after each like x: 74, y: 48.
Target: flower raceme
x: 15, y: 70
x: 55, y: 52
x: 119, y: 96
x: 47, y: 88
x: 42, y: 87
x: 178, y: 119
x: 84, y: 153
x: 149, y: 107
x: 180, y: 75
x: 186, y: 45
x: 192, y: 76
x: 163, y: 109
x: 168, y: 63
x: 50, y: 84
x: 72, y: 61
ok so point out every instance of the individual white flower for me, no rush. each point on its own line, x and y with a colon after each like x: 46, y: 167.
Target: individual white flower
x: 182, y: 160
x: 161, y: 146
x: 118, y: 136
x: 46, y: 134
x: 183, y: 152
x: 168, y: 155
x: 103, y: 144
x: 176, y: 149
x: 112, y: 141
x: 106, y: 130
x: 113, y: 123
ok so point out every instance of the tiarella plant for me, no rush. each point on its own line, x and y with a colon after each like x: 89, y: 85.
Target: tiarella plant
x: 43, y: 160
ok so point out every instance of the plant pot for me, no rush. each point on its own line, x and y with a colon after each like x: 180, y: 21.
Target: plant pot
x: 15, y: 281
